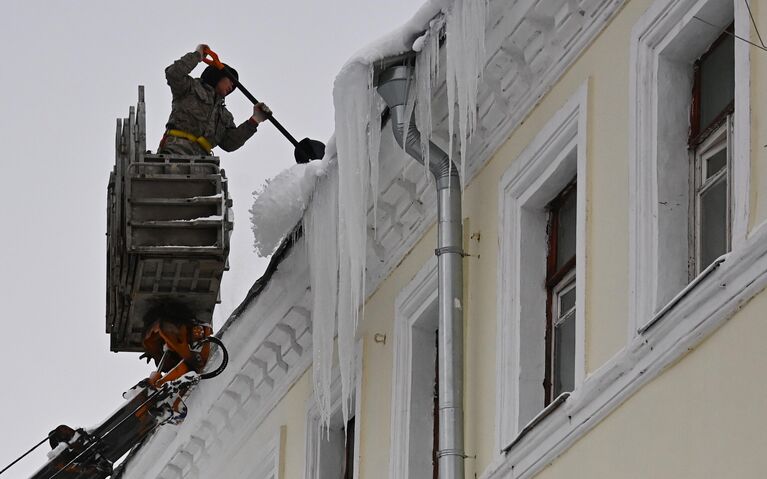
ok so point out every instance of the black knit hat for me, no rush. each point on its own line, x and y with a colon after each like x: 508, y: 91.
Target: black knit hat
x: 212, y: 75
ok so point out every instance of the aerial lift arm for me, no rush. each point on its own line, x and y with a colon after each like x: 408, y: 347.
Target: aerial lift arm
x: 158, y: 400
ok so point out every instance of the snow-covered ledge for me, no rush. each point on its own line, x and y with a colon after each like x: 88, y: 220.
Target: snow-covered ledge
x: 741, y: 276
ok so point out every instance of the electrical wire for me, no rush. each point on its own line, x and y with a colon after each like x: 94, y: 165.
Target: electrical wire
x: 753, y: 21
x: 24, y: 455
x: 97, y: 440
x: 760, y: 47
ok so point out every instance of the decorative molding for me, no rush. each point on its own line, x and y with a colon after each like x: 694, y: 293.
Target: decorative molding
x: 411, y: 304
x: 741, y: 276
x: 542, y: 38
x: 535, y: 177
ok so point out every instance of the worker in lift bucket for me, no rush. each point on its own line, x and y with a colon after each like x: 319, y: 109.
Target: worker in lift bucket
x: 199, y: 120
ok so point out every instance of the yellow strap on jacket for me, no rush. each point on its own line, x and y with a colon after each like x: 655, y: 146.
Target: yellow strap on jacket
x: 200, y: 140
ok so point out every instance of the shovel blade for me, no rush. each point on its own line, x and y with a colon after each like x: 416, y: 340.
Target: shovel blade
x: 308, y: 150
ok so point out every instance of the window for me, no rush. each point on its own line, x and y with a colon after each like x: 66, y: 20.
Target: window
x: 713, y: 102
x: 690, y: 141
x: 541, y: 288
x: 332, y: 453
x: 415, y: 409
x: 349, y: 450
x: 560, y: 295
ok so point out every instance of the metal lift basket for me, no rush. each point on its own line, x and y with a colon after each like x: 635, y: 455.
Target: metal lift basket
x: 168, y: 228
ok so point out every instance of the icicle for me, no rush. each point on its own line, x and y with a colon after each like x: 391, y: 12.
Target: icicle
x: 423, y: 104
x: 321, y: 233
x: 465, y: 31
x: 426, y: 76
x: 409, y: 109
x: 377, y: 106
x: 351, y: 98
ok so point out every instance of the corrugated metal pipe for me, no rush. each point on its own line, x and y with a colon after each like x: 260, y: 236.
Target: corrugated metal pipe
x: 393, y: 84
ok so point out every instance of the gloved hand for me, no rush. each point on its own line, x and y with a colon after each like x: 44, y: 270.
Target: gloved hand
x: 261, y: 113
x: 201, y: 50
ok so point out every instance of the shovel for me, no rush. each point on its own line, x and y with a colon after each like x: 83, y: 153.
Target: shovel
x: 306, y: 149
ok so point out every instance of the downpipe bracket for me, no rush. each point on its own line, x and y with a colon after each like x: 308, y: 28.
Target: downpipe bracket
x: 449, y: 250
x: 452, y: 452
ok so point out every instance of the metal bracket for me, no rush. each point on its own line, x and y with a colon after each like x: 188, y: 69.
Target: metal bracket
x: 449, y: 250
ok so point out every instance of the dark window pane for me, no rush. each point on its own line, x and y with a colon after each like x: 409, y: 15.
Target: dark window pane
x: 566, y: 302
x: 717, y: 81
x: 716, y: 163
x: 713, y: 223
x: 349, y: 460
x: 566, y: 230
x: 564, y: 355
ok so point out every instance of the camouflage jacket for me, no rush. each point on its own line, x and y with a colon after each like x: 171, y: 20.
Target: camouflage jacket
x: 198, y: 110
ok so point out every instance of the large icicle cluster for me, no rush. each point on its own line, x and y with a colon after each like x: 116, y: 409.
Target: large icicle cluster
x: 321, y: 233
x: 465, y: 47
x: 336, y: 221
x: 351, y: 96
x: 336, y: 233
x: 426, y: 76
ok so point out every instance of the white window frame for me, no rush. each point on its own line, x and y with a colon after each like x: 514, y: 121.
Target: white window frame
x: 719, y: 139
x: 409, y: 454
x: 665, y: 43
x: 563, y: 287
x: 312, y: 439
x: 543, y: 169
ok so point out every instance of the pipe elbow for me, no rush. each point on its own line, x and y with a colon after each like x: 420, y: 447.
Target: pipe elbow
x: 393, y: 87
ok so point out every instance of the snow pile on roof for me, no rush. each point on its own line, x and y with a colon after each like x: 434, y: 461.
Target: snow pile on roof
x: 280, y: 203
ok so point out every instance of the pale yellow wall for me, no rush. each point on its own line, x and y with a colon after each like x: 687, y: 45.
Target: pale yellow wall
x: 673, y: 427
x: 702, y: 418
x: 605, y: 66
x: 377, y: 363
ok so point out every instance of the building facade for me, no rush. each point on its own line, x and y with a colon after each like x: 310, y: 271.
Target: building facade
x: 615, y: 261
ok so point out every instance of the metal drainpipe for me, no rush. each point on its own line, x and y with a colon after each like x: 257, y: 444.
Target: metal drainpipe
x: 392, y: 86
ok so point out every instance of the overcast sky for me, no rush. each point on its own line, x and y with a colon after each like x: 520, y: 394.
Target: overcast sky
x: 69, y: 70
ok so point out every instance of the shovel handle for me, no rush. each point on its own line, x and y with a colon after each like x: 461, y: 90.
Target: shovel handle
x: 213, y: 60
x: 216, y: 63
